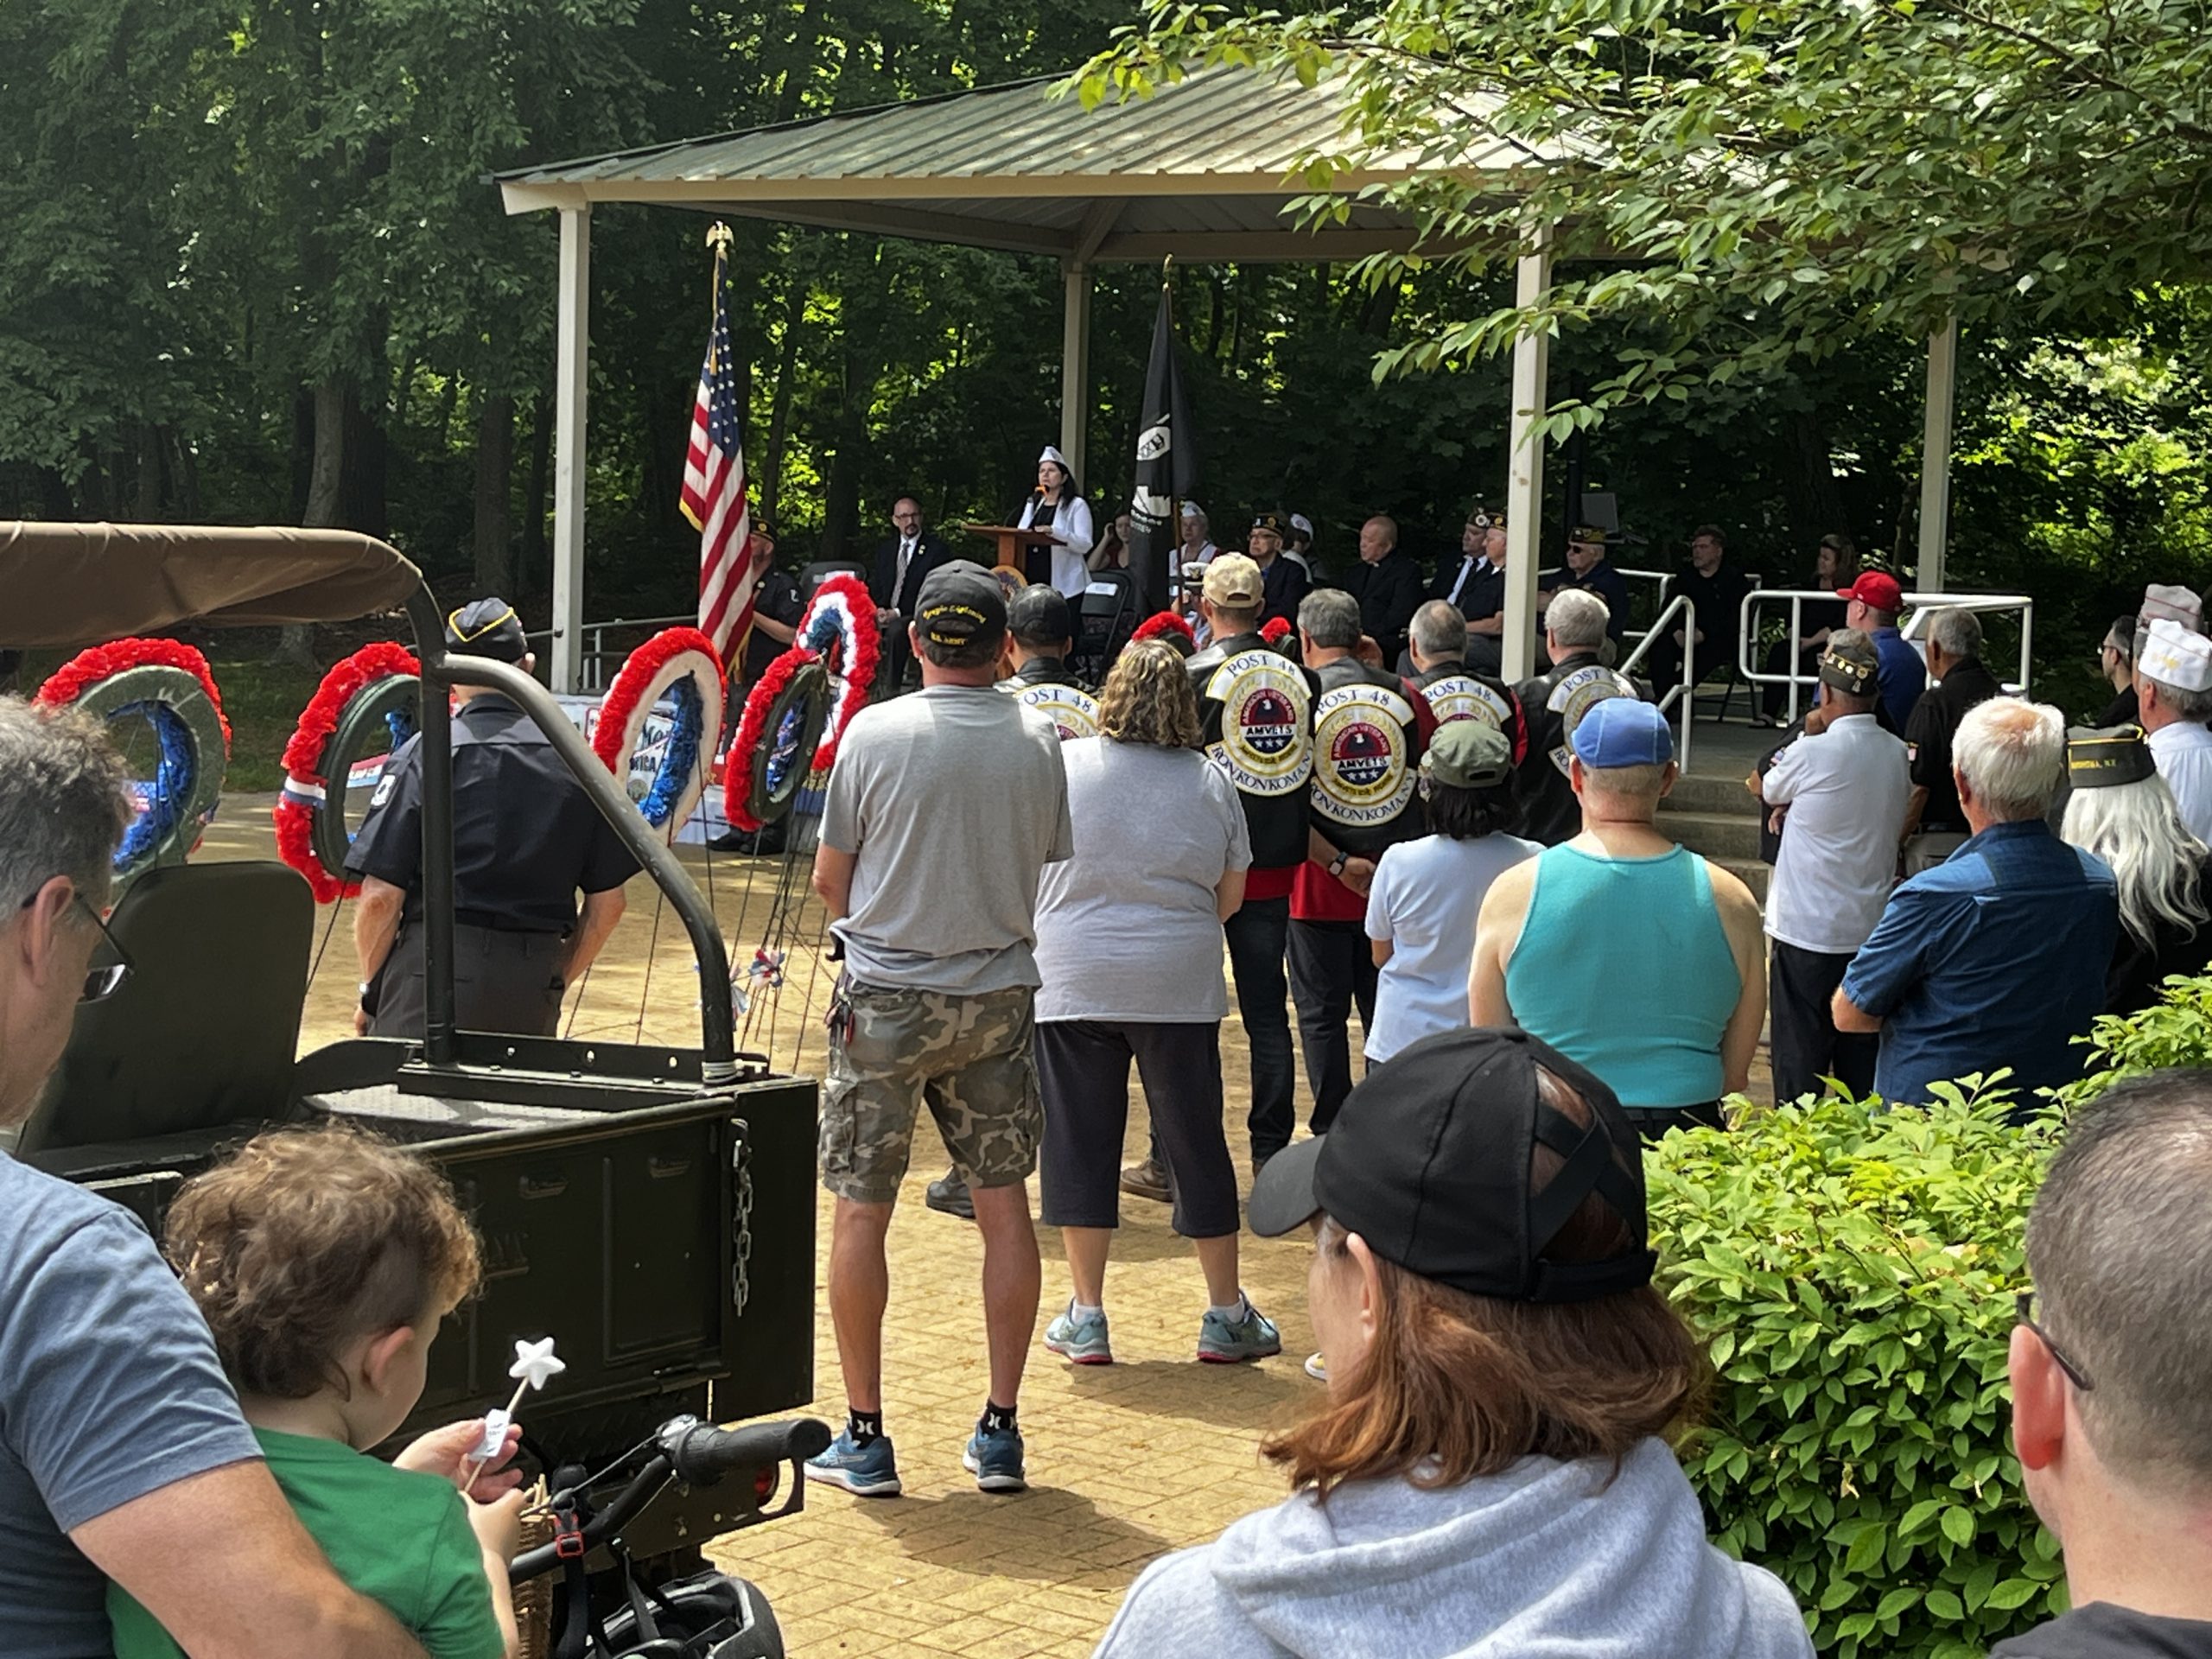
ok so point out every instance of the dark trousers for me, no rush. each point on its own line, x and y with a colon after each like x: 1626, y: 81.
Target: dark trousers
x: 1082, y: 1069
x: 1257, y: 934
x: 1666, y: 661
x: 1806, y: 1045
x: 1332, y: 967
x: 501, y: 981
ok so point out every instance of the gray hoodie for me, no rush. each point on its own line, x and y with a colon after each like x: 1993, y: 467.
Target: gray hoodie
x: 1544, y: 1561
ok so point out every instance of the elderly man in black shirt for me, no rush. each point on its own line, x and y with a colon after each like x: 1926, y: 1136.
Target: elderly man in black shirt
x: 1935, y: 824
x: 1387, y: 584
x: 525, y: 838
x: 1715, y: 589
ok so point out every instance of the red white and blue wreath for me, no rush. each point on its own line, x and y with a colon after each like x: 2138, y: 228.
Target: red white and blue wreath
x: 169, y: 686
x: 785, y: 714
x: 364, y: 708
x: 839, y: 628
x: 681, y: 667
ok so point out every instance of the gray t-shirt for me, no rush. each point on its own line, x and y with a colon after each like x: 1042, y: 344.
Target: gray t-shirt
x: 952, y: 799
x: 109, y: 1389
x: 1128, y: 928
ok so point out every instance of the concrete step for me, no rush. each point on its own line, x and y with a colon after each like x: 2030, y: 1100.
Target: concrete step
x: 1755, y: 874
x: 1717, y: 835
x: 1709, y: 794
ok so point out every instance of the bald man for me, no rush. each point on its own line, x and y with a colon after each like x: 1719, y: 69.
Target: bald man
x: 1386, y: 583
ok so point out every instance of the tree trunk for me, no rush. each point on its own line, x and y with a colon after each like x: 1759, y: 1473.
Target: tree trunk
x: 53, y: 499
x: 533, y: 494
x: 325, y: 499
x: 186, y: 465
x: 495, y: 466
x: 361, y: 504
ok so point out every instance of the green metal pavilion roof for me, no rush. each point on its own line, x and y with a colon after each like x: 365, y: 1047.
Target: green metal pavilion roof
x: 1200, y: 170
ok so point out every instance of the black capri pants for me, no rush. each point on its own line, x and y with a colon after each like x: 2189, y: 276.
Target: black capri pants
x: 1082, y: 1069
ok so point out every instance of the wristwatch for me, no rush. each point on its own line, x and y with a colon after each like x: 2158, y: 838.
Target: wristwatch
x: 1337, y: 864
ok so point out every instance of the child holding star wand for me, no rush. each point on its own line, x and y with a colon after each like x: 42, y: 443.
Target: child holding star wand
x: 324, y: 1262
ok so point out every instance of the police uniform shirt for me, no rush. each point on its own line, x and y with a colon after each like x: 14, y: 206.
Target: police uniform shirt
x: 1553, y: 704
x: 1256, y: 713
x: 526, y: 836
x: 776, y: 599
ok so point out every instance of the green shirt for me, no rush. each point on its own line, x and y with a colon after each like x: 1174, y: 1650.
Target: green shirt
x: 400, y: 1538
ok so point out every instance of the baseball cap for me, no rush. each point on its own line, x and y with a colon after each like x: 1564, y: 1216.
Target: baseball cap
x: 488, y: 627
x: 1429, y: 1161
x: 1037, y: 616
x: 960, y: 603
x: 1876, y: 590
x: 1468, y: 755
x: 1623, y: 731
x: 1851, y: 667
x: 2104, y: 759
x: 1232, y: 579
x: 1270, y: 522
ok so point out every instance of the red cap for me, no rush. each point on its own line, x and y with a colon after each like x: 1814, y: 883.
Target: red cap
x: 1876, y: 589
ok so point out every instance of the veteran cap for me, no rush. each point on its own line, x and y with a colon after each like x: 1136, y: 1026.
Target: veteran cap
x: 2174, y: 656
x: 1272, y: 523
x: 960, y: 604
x: 489, y: 627
x: 2107, y: 758
x: 1849, y: 667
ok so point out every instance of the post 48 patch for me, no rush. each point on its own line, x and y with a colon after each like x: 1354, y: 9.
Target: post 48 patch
x: 1362, y: 766
x: 1266, y: 746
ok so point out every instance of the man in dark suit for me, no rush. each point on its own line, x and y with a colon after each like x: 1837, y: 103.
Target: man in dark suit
x: 902, y: 563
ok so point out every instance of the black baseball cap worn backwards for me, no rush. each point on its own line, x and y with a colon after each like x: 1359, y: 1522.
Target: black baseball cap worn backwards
x: 489, y: 627
x: 1428, y: 1161
x: 960, y: 603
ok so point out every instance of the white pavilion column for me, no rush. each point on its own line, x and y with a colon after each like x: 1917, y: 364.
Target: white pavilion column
x: 1524, y: 489
x: 1936, y: 457
x: 572, y: 372
x: 1075, y: 366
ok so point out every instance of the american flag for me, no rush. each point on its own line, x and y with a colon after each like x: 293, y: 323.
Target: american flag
x: 713, y: 480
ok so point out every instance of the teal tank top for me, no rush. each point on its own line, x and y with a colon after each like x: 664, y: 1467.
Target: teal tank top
x: 1623, y: 965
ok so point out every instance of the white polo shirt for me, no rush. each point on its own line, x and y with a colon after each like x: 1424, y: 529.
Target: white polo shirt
x: 1846, y: 790
x: 2183, y: 752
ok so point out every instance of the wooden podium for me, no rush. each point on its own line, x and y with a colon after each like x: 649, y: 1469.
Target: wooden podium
x: 1028, y: 552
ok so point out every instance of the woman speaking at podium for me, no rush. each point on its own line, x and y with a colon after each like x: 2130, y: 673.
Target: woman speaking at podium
x: 1055, y: 505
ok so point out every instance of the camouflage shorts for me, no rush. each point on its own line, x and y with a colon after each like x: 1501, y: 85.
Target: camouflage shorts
x: 969, y: 1058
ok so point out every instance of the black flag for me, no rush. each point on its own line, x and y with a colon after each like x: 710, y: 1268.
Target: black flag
x: 1168, y: 465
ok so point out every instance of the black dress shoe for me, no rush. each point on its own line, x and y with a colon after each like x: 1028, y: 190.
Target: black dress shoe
x: 947, y: 1196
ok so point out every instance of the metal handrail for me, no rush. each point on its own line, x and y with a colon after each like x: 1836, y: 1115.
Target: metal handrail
x: 1920, y: 605
x: 1683, y: 686
x: 596, y: 634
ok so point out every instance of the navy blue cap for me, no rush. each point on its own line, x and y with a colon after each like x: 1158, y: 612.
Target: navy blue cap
x: 488, y: 627
x: 1623, y: 732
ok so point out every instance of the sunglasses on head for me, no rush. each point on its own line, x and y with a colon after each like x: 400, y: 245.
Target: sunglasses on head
x: 103, y: 980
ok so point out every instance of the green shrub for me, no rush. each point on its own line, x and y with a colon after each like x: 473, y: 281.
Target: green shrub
x: 2176, y: 1030
x: 1852, y: 1270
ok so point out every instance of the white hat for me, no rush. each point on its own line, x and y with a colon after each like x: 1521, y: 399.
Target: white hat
x: 2175, y: 656
x: 2179, y: 604
x: 1299, y: 521
x: 1192, y: 510
x: 1053, y: 453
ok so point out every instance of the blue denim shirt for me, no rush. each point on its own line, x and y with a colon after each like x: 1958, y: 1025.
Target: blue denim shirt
x: 1995, y: 957
x: 1899, y: 671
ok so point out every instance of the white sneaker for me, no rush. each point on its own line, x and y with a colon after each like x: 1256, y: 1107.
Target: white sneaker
x: 1315, y: 1368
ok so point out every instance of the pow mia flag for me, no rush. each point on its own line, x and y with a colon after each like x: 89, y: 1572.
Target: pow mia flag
x: 1167, y: 465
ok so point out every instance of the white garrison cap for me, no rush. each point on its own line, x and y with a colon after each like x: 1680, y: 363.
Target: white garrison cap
x: 2175, y: 603
x: 1053, y: 453
x: 1299, y: 521
x: 2176, y: 657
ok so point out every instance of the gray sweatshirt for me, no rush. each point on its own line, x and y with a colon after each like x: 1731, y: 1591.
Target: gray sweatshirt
x: 1543, y: 1561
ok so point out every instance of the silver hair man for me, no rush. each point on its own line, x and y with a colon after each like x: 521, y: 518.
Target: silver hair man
x: 1577, y: 619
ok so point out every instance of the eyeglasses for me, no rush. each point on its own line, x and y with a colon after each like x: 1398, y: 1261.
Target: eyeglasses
x: 2023, y: 1306
x: 105, y: 980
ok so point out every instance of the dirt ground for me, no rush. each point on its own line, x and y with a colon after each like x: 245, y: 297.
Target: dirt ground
x: 1126, y: 1462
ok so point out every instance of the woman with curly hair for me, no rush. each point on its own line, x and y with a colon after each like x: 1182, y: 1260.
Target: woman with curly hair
x: 1489, y: 1472
x: 1129, y: 948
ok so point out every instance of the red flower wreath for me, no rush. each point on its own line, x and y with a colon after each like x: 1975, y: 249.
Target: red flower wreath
x: 67, y: 683
x: 737, y: 771
x: 852, y: 665
x: 1165, y: 622
x: 303, y: 755
x: 639, y: 670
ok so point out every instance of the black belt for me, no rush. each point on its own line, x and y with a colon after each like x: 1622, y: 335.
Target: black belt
x: 493, y: 922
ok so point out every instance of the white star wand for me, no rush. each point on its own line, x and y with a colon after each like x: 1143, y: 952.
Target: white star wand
x: 535, y: 1365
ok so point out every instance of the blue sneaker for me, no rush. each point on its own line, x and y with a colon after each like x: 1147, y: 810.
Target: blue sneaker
x: 868, y: 1471
x: 995, y: 1458
x: 1227, y: 1342
x: 1085, y: 1341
